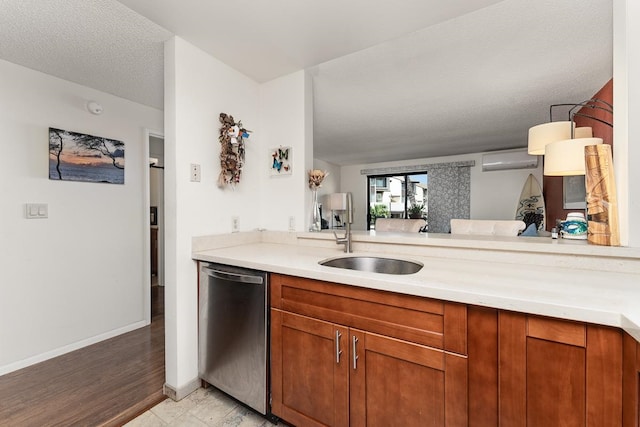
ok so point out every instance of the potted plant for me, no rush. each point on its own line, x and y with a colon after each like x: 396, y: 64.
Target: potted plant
x: 377, y: 211
x: 416, y: 211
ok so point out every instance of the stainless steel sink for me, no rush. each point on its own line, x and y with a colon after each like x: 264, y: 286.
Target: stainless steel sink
x: 374, y: 264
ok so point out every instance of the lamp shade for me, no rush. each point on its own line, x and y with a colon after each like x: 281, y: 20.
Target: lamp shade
x: 583, y: 132
x: 541, y: 135
x: 566, y: 157
x: 337, y: 201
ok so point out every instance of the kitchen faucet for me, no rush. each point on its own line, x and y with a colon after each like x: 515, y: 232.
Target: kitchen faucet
x: 346, y: 240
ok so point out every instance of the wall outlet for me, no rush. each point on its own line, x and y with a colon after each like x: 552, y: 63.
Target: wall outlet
x: 235, y: 224
x: 195, y: 172
x: 292, y: 223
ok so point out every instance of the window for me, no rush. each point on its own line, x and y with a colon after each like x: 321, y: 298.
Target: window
x: 446, y: 194
x: 397, y: 196
x: 381, y: 182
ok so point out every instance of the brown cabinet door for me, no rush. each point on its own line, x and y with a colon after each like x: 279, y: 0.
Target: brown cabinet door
x: 631, y: 382
x: 558, y: 373
x: 398, y: 383
x: 310, y: 372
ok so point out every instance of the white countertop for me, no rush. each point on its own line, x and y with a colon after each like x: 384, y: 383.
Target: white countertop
x: 585, y: 294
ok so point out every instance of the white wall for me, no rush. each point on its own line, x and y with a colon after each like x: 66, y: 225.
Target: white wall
x: 626, y: 133
x: 331, y: 183
x: 284, y: 121
x: 494, y: 195
x: 76, y: 277
x: 198, y: 88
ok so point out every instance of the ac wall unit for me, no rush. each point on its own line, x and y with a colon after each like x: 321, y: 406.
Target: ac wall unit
x: 505, y: 160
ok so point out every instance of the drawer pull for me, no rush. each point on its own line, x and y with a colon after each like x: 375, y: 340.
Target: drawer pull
x: 355, y: 353
x: 338, y: 351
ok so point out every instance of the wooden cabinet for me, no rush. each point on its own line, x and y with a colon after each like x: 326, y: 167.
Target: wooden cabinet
x: 395, y: 382
x: 631, y: 382
x: 344, y: 355
x: 309, y: 370
x: 558, y: 373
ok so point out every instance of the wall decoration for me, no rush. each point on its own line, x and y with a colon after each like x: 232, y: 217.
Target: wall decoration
x: 232, y: 135
x: 281, y: 161
x: 80, y: 157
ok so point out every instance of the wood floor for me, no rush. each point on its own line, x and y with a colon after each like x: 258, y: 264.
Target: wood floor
x: 105, y: 384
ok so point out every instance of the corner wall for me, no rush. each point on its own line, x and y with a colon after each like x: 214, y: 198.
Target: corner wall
x: 626, y: 132
x: 198, y: 88
x: 284, y: 121
x: 75, y: 278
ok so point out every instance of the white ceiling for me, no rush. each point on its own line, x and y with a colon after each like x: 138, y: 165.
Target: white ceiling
x: 392, y: 80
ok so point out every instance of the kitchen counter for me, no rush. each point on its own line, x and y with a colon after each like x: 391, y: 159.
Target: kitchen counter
x: 563, y: 279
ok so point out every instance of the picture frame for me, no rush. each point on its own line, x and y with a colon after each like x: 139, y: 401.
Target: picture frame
x: 75, y: 156
x: 281, y: 161
x: 574, y: 193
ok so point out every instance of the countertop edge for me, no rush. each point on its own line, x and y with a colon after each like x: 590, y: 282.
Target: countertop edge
x: 301, y: 261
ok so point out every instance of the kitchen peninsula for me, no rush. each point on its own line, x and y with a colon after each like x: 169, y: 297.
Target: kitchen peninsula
x: 520, y: 330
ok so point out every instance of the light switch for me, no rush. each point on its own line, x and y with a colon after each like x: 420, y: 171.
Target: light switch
x: 36, y: 210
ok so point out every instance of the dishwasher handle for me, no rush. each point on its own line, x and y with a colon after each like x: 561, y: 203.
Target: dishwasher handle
x: 234, y: 277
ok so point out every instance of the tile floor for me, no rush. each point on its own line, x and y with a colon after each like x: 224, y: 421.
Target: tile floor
x: 202, y: 408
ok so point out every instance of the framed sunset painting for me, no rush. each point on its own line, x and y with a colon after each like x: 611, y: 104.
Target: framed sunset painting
x: 80, y: 157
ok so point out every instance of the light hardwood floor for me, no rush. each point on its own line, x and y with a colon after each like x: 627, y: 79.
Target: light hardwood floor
x: 105, y: 384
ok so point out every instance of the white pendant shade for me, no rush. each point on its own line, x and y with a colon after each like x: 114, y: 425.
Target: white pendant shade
x: 583, y: 132
x: 541, y: 135
x: 566, y: 157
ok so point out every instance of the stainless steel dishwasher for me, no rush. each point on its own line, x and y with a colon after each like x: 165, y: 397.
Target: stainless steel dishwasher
x: 233, y: 340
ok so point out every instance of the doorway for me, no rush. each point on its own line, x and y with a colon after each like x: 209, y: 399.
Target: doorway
x: 156, y: 221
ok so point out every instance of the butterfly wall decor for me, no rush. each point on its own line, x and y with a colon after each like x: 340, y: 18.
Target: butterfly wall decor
x: 281, y: 161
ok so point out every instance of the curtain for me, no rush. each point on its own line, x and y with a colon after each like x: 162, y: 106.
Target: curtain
x: 449, y: 196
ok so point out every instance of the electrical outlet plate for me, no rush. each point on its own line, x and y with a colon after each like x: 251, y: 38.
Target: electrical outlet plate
x: 235, y: 224
x: 292, y: 223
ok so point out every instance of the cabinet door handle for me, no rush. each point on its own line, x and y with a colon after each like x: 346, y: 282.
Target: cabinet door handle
x: 338, y: 351
x: 355, y: 353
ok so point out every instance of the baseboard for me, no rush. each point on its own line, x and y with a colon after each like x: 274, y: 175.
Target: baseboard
x: 181, y: 392
x: 5, y: 369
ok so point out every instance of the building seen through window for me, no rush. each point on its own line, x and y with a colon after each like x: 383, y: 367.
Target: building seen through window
x: 397, y: 196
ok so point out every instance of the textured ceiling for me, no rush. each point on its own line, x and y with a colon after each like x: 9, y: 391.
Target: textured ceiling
x: 268, y: 39
x: 97, y: 43
x: 392, y: 80
x: 474, y: 83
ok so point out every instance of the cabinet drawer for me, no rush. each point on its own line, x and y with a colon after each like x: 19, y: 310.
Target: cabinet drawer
x: 421, y: 320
